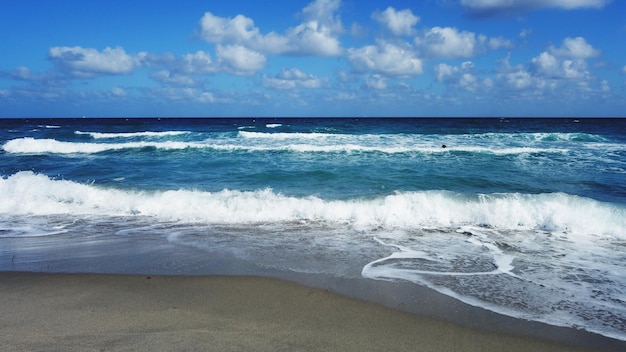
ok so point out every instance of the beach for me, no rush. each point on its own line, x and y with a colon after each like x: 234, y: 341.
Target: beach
x: 89, y: 312
x: 511, y: 235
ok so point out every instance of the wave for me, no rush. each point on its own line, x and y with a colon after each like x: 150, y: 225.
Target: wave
x: 289, y: 135
x: 29, y: 145
x: 491, y: 136
x: 542, y: 137
x: 27, y: 193
x: 104, y: 135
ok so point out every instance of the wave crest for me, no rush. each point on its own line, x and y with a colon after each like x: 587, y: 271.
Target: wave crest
x: 27, y: 193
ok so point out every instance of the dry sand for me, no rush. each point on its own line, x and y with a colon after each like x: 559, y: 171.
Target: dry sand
x: 49, y: 312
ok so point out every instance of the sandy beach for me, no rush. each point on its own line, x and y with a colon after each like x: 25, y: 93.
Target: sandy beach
x: 78, y: 312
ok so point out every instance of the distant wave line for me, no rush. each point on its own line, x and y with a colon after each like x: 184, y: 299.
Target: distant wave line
x: 29, y: 145
x: 104, y: 135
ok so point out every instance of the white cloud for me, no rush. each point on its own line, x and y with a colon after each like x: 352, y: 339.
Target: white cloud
x: 450, y: 43
x: 23, y: 73
x: 317, y: 35
x: 566, y: 62
x: 443, y: 71
x: 575, y: 48
x: 312, y: 38
x: 512, y: 7
x: 461, y: 76
x: 324, y: 12
x: 575, y: 69
x: 519, y: 79
x: 385, y: 58
x: 87, y: 62
x: 118, y: 92
x: 525, y: 33
x: 376, y: 82
x: 398, y: 22
x: 293, y: 78
x: 240, y: 30
x: 184, y: 70
x: 497, y: 43
x: 239, y: 60
x: 185, y: 95
x: 605, y: 87
x: 546, y: 65
x: 548, y: 76
x: 198, y: 63
x: 169, y: 77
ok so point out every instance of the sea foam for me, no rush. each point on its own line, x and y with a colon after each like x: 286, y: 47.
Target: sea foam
x: 27, y: 193
x: 316, y: 144
x: 105, y: 135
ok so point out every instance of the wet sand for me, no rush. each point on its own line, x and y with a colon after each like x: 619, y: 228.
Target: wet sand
x: 88, y: 312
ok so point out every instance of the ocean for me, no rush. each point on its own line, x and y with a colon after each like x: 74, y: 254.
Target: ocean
x: 522, y: 217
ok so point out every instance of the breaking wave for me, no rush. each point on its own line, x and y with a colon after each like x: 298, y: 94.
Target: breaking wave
x: 27, y: 193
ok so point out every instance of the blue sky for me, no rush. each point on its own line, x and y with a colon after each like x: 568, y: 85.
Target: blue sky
x: 159, y: 58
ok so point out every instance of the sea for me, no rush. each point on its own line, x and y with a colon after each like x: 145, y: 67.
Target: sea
x: 525, y: 217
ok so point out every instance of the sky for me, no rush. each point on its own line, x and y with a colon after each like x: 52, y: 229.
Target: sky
x: 340, y: 58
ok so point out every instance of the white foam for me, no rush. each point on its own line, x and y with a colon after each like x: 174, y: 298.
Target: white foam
x: 286, y: 135
x: 103, y: 135
x: 536, y: 275
x: 29, y: 145
x: 29, y: 193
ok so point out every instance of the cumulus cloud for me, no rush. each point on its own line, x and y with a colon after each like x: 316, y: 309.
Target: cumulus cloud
x: 576, y: 48
x: 192, y: 95
x: 515, y: 7
x: 240, y: 60
x: 88, y: 62
x: 461, y: 76
x: 173, y: 78
x: 376, y: 82
x: 451, y: 43
x: 312, y: 38
x: 548, y: 66
x: 22, y: 73
x: 293, y: 78
x: 548, y: 74
x: 445, y: 71
x: 198, y: 63
x: 184, y: 70
x: 567, y: 61
x: 385, y: 58
x: 240, y: 30
x: 317, y: 35
x: 118, y: 92
x: 324, y: 12
x: 398, y: 22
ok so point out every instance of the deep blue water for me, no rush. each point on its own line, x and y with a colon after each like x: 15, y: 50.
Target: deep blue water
x: 507, y: 206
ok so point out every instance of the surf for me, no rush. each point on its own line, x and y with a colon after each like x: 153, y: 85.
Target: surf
x: 26, y: 193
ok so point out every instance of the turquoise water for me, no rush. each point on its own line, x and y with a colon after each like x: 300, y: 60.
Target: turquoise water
x: 525, y: 217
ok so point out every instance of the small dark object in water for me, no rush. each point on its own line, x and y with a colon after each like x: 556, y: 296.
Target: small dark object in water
x: 444, y: 146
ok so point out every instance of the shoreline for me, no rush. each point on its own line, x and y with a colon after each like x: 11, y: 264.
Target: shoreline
x: 163, y: 312
x: 150, y: 256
